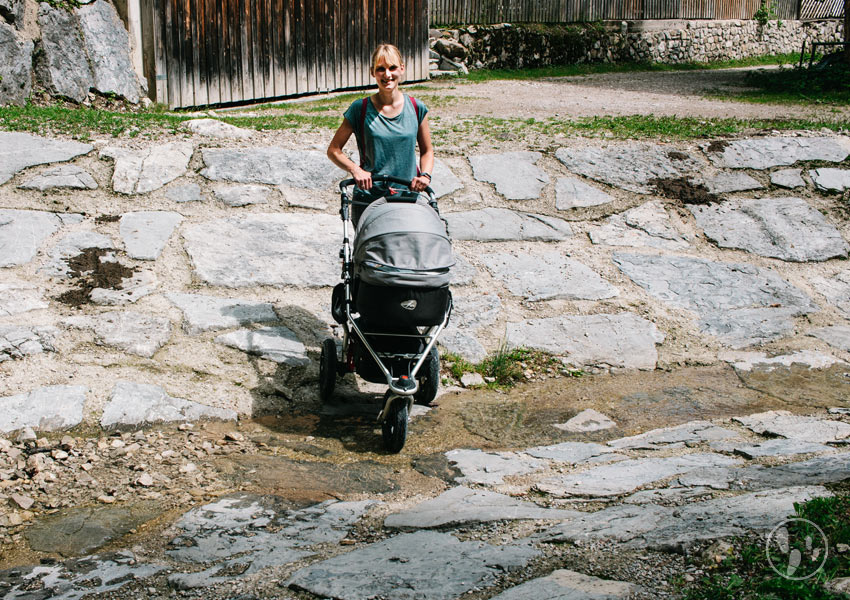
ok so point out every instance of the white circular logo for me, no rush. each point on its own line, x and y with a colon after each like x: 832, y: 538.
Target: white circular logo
x: 796, y: 549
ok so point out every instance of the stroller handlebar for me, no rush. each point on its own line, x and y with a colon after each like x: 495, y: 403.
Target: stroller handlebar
x: 383, y: 178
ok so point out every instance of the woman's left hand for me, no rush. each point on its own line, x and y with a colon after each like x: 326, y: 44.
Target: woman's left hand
x: 419, y: 183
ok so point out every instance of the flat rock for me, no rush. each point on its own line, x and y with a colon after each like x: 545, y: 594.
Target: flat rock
x: 18, y: 341
x: 217, y: 129
x: 15, y: 69
x: 788, y: 178
x: 773, y: 448
x: 831, y: 180
x: 781, y: 423
x: 444, y: 181
x: 622, y: 340
x: 208, y: 313
x: 72, y: 245
x: 132, y: 332
x: 647, y: 225
x: 278, y: 344
x: 726, y: 183
x: 741, y: 304
x: 462, y: 505
x: 22, y: 150
x: 13, y: 12
x: 667, y: 495
x: 626, y: 476
x: 490, y: 468
x: 821, y: 470
x: 630, y: 166
x: 64, y: 69
x: 515, y: 174
x: 131, y: 289
x: 570, y: 585
x: 108, y: 47
x: 242, y: 195
x: 132, y: 405
x: 190, y: 192
x: 837, y: 336
x: 764, y: 153
x: 145, y: 233
x: 463, y: 272
x: 586, y: 421
x: 747, y: 361
x: 266, y: 249
x: 51, y: 408
x: 572, y: 192
x: 548, y: 276
x: 143, y: 171
x: 503, y: 225
x: 470, y: 313
x: 407, y: 563
x: 61, y: 177
x: 836, y: 289
x: 274, y: 166
x: 573, y: 453
x: 693, y: 432
x: 785, y: 228
x: 18, y: 297
x: 472, y: 380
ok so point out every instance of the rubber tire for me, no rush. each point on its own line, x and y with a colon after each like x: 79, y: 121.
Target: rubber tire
x: 394, y: 427
x: 429, y: 381
x: 327, y: 370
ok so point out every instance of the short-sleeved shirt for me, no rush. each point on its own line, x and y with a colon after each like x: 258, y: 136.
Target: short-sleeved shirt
x: 387, y: 144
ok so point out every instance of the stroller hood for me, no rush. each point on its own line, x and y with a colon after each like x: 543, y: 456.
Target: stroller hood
x: 402, y: 244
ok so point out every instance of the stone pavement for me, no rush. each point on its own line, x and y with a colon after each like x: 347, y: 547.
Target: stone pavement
x: 148, y: 283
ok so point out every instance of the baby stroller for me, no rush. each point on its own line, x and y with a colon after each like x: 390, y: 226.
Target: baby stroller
x: 393, y: 302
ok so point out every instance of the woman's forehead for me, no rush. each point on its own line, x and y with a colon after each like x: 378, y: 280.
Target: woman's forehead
x: 383, y: 62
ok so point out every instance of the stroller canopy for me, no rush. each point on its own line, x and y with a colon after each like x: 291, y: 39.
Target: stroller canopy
x: 402, y: 244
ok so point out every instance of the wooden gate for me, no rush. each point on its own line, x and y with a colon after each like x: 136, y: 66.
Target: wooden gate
x: 211, y: 52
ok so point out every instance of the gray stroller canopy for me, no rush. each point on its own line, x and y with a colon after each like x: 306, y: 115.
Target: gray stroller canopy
x: 402, y: 244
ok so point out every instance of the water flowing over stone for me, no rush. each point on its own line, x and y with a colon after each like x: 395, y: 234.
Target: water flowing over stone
x: 21, y: 150
x: 835, y: 335
x: 207, y: 313
x: 132, y: 332
x: 571, y: 192
x: 763, y: 153
x: 64, y: 176
x: 622, y: 340
x: 274, y: 166
x: 266, y: 249
x: 515, y: 174
x: 64, y: 69
x: 143, y: 171
x: 629, y: 166
x: 51, y: 408
x: 145, y: 233
x: 785, y: 228
x: 279, y: 344
x: 133, y: 405
x: 15, y: 68
x: 503, y: 225
x: 22, y: 232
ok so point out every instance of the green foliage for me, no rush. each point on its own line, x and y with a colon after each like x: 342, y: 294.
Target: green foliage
x: 64, y: 4
x: 765, y: 12
x: 507, y: 366
x: 826, y: 84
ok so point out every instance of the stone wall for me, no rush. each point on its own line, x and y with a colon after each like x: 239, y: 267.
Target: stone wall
x: 518, y: 46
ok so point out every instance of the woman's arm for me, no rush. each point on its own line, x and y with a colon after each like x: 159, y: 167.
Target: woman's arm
x: 340, y: 159
x: 426, y: 156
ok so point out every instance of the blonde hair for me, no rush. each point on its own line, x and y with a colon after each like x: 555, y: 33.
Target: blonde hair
x: 388, y: 53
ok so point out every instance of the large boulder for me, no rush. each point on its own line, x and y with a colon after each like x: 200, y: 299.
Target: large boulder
x: 15, y: 66
x: 62, y: 67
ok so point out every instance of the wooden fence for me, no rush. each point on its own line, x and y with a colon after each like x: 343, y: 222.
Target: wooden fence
x: 210, y: 52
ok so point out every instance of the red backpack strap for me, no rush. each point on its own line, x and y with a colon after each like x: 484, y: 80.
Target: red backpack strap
x: 415, y: 107
x: 361, y: 136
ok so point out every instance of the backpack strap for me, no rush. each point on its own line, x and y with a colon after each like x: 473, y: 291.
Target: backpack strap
x: 415, y: 112
x: 361, y: 136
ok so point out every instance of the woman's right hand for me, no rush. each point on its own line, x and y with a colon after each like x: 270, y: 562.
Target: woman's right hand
x: 362, y: 178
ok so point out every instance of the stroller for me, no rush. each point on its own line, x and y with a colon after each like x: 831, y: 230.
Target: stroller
x: 393, y: 302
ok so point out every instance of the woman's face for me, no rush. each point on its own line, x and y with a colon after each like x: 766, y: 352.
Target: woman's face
x: 387, y: 75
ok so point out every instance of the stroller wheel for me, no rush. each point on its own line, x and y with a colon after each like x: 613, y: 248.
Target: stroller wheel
x: 327, y: 370
x: 429, y: 379
x: 394, y: 427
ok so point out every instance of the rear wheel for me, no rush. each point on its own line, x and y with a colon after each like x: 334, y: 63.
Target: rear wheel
x: 394, y: 427
x: 327, y: 370
x: 429, y: 380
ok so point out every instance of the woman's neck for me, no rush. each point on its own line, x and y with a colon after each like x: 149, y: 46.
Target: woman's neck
x: 387, y: 98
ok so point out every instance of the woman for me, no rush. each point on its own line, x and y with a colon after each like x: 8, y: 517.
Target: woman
x: 387, y: 125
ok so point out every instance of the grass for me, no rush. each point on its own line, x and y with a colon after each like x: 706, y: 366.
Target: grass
x: 794, y: 85
x: 508, y: 366
x: 747, y: 574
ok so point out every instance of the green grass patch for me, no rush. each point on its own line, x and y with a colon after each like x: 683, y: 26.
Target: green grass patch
x: 508, y: 366
x: 794, y: 85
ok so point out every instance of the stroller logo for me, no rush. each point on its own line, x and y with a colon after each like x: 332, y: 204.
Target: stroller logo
x: 409, y: 304
x: 796, y: 549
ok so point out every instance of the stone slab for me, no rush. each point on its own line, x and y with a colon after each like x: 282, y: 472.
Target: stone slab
x: 647, y: 225
x: 242, y: 195
x: 146, y: 170
x: 572, y: 192
x: 490, y: 468
x: 15, y: 69
x: 133, y: 332
x: 747, y: 361
x: 208, y: 313
x: 21, y: 150
x: 462, y: 273
x: 622, y: 340
x: 726, y: 183
x: 573, y: 453
x: 570, y: 585
x: 788, y: 178
x: 821, y: 470
x: 406, y: 564
x: 190, y: 192
x: 61, y: 177
x: 51, y: 408
x: 547, y: 276
x: 133, y: 405
x: 831, y: 180
x: 217, y: 129
x: 278, y: 344
x: 781, y: 423
x: 784, y: 228
x: 629, y: 166
x: 274, y: 166
x: 72, y: 245
x: 773, y: 448
x: 462, y: 505
x: 503, y: 225
x: 18, y: 341
x: 444, y: 181
x: 764, y: 153
x: 587, y: 421
x: 837, y: 336
x: 131, y: 289
x: 145, y: 233
x: 693, y: 432
x: 13, y: 12
x: 469, y: 313
x: 667, y: 495
x: 64, y: 69
x: 626, y: 476
x: 266, y: 249
x: 515, y: 174
x: 18, y: 297
x: 836, y: 289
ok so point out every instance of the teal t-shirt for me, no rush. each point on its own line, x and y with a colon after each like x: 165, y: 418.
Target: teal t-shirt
x: 387, y: 145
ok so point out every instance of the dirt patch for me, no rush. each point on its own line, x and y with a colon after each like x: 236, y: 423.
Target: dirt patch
x: 685, y: 190
x: 717, y: 146
x: 91, y: 272
x: 107, y: 218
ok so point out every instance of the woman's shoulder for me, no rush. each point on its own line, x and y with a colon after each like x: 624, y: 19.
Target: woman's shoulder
x: 421, y: 107
x: 355, y: 108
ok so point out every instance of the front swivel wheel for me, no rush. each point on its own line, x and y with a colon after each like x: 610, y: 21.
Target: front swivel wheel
x: 394, y: 427
x: 327, y: 370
